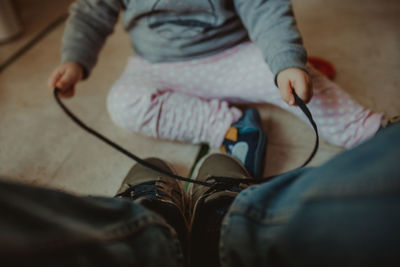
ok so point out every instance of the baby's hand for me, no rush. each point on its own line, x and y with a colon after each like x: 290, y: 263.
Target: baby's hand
x: 65, y: 77
x: 299, y: 81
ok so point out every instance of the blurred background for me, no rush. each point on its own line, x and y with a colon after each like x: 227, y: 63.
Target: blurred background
x: 40, y: 145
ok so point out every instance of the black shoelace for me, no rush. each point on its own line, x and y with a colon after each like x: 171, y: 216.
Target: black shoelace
x: 228, y: 182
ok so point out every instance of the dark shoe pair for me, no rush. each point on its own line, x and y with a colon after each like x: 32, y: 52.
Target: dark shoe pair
x: 196, y: 218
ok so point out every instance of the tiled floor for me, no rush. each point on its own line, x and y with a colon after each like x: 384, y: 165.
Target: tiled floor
x: 40, y: 145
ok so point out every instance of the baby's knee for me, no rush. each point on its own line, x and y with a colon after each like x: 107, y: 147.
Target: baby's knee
x: 133, y: 112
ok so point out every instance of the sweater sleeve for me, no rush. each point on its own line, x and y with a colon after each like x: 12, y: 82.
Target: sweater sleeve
x: 271, y: 26
x: 88, y: 25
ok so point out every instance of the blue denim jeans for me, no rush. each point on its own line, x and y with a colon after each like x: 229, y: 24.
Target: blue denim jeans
x: 40, y: 227
x: 344, y: 213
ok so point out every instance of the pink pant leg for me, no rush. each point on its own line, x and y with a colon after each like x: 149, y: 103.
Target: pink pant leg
x: 342, y: 121
x: 140, y: 101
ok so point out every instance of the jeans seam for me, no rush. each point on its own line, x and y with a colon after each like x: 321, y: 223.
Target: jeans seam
x: 262, y: 215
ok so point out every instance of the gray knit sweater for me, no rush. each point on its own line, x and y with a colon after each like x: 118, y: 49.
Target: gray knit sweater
x: 177, y: 30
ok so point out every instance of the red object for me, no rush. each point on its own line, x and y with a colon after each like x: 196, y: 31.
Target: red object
x: 324, y: 66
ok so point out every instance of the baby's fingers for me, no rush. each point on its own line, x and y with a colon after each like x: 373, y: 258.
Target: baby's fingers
x: 65, y: 77
x: 303, y: 88
x: 286, y: 93
x: 54, y: 78
x: 67, y: 80
x: 297, y: 80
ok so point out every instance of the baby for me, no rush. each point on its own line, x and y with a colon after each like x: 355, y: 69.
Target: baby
x: 196, y: 57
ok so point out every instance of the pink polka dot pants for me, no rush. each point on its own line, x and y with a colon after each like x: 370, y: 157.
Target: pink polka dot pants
x: 190, y: 101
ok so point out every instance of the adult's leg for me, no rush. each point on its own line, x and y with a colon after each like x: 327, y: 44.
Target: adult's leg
x: 41, y: 227
x: 344, y: 213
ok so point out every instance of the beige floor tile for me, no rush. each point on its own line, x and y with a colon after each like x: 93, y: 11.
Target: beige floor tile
x: 290, y: 142
x: 34, y: 16
x: 361, y: 38
x: 280, y: 159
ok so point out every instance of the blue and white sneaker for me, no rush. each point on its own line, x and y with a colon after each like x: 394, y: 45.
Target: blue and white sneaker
x: 246, y: 141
